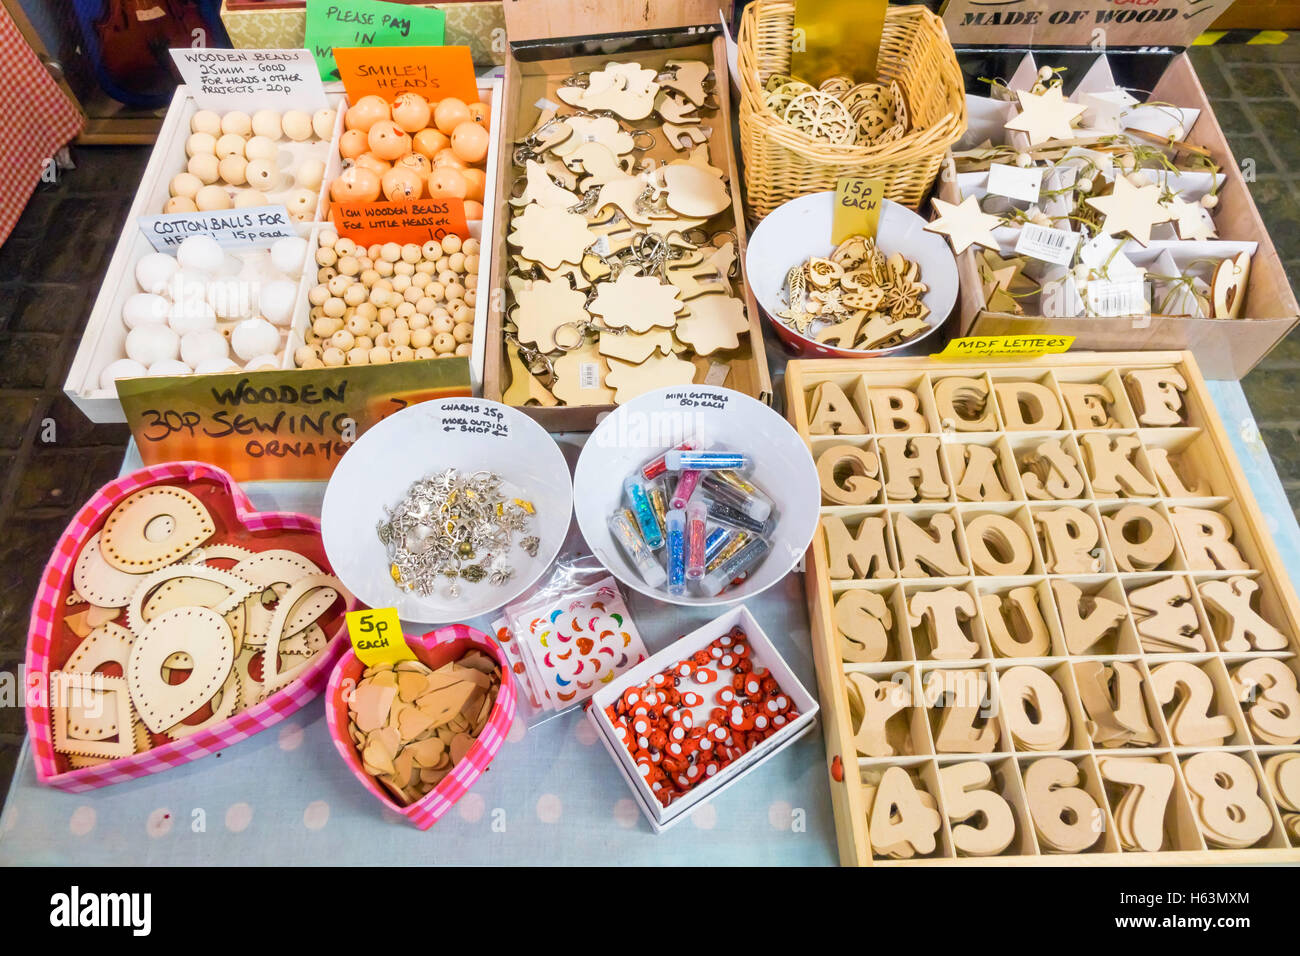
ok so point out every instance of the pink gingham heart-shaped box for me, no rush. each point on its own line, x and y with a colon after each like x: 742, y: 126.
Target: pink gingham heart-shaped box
x: 433, y: 649
x: 50, y: 640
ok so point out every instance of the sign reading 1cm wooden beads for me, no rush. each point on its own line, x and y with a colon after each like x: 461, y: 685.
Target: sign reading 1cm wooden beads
x: 1047, y: 615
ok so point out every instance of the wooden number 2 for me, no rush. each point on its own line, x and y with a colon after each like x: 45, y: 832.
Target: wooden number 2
x: 1191, y: 723
x: 1225, y: 793
x: 967, y: 794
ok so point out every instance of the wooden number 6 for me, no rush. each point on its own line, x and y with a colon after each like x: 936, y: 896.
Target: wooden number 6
x: 1066, y: 818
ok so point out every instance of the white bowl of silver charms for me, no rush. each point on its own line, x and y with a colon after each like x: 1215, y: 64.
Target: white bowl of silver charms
x: 447, y: 510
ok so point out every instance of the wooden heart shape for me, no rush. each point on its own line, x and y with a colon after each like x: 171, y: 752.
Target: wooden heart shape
x: 53, y: 641
x: 434, y: 649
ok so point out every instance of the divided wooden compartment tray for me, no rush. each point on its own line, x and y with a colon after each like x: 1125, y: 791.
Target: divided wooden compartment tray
x: 528, y: 82
x: 1200, y: 444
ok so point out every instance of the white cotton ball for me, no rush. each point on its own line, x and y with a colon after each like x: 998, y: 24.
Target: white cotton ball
x: 187, y: 284
x: 261, y: 362
x: 254, y: 337
x: 288, y: 255
x: 201, y: 253
x: 152, y: 343
x: 203, y: 345
x: 144, y: 308
x: 215, y: 366
x: 275, y: 301
x: 122, y: 368
x: 230, y: 298
x: 169, y: 367
x: 190, y: 314
x: 154, y: 271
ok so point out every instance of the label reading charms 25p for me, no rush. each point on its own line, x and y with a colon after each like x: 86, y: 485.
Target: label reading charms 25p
x: 691, y: 398
x: 473, y: 419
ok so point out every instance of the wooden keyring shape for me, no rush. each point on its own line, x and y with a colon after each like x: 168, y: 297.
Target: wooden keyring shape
x: 153, y: 528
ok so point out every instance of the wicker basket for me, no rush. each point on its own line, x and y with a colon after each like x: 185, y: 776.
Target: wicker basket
x: 782, y: 163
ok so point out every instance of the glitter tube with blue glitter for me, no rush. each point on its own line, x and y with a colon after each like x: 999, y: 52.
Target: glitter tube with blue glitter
x: 704, y: 460
x: 635, y: 490
x: 677, y: 552
x: 715, y: 542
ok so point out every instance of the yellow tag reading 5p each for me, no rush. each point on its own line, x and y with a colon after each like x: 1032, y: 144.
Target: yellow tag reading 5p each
x: 999, y: 346
x: 858, y: 203
x: 377, y: 636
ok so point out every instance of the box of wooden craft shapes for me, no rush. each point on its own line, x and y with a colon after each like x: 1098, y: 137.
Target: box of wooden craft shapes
x: 1049, y: 623
x: 600, y: 296
x: 1206, y: 277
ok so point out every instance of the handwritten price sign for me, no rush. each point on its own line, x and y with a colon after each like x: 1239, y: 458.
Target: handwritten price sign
x: 857, y: 208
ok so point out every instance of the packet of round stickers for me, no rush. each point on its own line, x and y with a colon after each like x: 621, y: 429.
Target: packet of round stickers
x: 568, y: 638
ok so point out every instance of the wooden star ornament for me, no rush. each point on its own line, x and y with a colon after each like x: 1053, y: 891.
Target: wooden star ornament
x: 1191, y: 220
x: 1131, y: 209
x: 965, y: 225
x: 1045, y: 116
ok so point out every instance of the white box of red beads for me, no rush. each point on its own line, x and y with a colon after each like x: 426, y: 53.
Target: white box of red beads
x: 783, y: 713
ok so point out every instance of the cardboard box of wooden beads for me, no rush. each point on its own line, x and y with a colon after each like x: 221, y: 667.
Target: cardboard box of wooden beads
x: 1224, y: 348
x: 1049, y: 623
x: 103, y: 341
x: 762, y: 654
x: 548, y: 43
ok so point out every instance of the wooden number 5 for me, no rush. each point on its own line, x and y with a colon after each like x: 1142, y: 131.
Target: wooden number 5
x: 967, y: 794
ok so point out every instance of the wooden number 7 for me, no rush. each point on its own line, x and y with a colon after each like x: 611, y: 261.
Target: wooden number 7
x: 1140, y: 814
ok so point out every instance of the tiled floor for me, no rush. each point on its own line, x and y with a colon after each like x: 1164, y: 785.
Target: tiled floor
x: 51, y: 458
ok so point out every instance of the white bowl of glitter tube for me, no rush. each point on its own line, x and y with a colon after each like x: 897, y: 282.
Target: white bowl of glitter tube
x: 471, y: 435
x: 779, y: 465
x: 801, y: 228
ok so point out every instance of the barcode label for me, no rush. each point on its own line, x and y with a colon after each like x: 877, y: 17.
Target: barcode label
x: 1049, y: 245
x: 1014, y: 182
x: 589, y: 375
x: 545, y: 104
x: 1107, y: 299
x: 717, y: 374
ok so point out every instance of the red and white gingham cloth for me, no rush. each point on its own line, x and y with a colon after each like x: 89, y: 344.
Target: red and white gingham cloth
x: 47, y: 613
x: 425, y: 812
x: 39, y: 120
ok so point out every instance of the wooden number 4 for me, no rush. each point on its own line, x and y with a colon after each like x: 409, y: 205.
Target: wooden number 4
x: 903, y: 819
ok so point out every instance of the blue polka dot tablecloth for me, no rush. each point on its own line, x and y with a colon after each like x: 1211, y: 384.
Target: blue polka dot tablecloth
x: 551, y: 796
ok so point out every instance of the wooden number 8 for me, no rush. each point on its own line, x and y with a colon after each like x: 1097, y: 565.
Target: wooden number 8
x: 1227, y: 799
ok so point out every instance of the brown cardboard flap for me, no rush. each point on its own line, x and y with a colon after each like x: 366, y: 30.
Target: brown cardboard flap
x: 1082, y: 23
x: 551, y: 19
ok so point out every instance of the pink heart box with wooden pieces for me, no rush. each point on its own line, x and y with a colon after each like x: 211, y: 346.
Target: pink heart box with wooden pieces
x: 51, y: 641
x: 433, y: 649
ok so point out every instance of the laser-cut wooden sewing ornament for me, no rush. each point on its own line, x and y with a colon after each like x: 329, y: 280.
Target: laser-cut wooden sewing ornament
x: 154, y: 527
x: 98, y: 581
